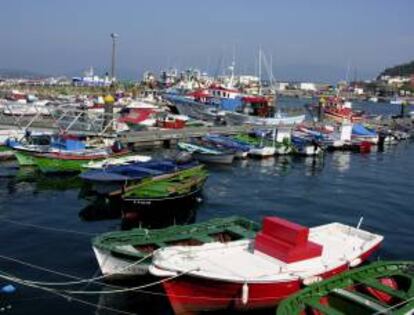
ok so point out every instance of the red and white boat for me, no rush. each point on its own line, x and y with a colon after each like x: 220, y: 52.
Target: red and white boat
x: 342, y: 114
x: 171, y: 121
x: 260, y: 272
x: 339, y: 110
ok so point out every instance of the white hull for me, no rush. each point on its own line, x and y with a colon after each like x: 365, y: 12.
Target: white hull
x: 240, y: 262
x: 16, y: 109
x: 113, y: 266
x: 241, y: 154
x: 225, y: 158
x: 239, y: 119
x: 10, y: 133
x: 262, y: 152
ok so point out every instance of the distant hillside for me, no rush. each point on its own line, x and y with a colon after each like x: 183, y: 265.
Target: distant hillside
x: 405, y: 69
x: 18, y: 73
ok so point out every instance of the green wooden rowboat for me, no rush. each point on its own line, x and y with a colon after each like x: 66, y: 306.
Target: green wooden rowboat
x: 158, y: 188
x: 128, y: 253
x: 378, y: 288
x: 181, y: 190
x: 70, y: 162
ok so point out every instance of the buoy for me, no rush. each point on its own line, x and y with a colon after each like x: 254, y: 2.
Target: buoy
x: 355, y: 262
x: 311, y: 280
x: 8, y: 289
x: 245, y: 293
x: 109, y: 99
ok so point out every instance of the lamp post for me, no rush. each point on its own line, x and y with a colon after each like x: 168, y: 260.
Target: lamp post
x: 114, y: 37
x: 109, y: 99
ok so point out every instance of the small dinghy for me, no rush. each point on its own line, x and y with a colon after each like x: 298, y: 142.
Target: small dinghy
x: 118, y: 252
x: 259, y: 272
x: 207, y: 155
x: 379, y: 288
x: 241, y: 149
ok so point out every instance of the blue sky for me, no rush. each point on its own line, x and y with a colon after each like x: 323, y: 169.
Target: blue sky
x: 308, y: 39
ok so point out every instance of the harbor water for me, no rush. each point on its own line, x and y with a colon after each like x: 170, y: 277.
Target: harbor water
x: 47, y: 221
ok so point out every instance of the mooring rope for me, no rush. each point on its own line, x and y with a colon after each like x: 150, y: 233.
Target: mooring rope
x: 67, y: 297
x: 385, y: 311
x: 94, y: 279
x: 41, y: 227
x: 115, y: 291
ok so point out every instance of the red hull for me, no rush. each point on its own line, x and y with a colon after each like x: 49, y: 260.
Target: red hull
x: 342, y: 114
x: 190, y: 295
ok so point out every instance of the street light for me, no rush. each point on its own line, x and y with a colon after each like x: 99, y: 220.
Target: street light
x: 114, y: 36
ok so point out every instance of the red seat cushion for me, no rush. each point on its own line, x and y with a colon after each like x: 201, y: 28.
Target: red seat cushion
x: 285, y: 241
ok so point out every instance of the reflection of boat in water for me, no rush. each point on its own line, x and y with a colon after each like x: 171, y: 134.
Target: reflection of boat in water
x: 341, y: 160
x: 161, y: 216
x: 151, y: 301
x: 44, y: 182
x: 102, y: 208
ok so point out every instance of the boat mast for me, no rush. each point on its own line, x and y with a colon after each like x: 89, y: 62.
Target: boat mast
x: 260, y: 70
x: 233, y: 64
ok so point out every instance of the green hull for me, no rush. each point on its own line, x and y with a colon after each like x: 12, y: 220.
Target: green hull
x: 25, y: 158
x: 55, y: 165
x: 358, y: 291
x: 180, y: 184
x: 137, y: 243
x: 4, y: 148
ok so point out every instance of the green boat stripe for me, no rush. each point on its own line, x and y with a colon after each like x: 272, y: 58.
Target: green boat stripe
x: 362, y: 299
x: 407, y: 309
x: 366, y: 275
x: 378, y: 286
x: 203, y: 238
x: 314, y: 303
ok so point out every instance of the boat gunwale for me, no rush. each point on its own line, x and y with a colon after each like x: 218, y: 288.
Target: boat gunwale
x: 298, y: 301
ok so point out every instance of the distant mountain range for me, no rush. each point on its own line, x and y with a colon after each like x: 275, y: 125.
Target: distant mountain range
x: 405, y: 69
x: 295, y: 72
x: 124, y: 74
x: 19, y: 73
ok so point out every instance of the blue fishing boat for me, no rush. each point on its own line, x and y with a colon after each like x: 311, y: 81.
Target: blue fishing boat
x: 361, y: 133
x: 113, y: 180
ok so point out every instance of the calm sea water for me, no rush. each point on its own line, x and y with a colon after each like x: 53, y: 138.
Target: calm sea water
x: 337, y: 187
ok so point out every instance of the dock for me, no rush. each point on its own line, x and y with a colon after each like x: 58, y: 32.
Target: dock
x: 167, y: 136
